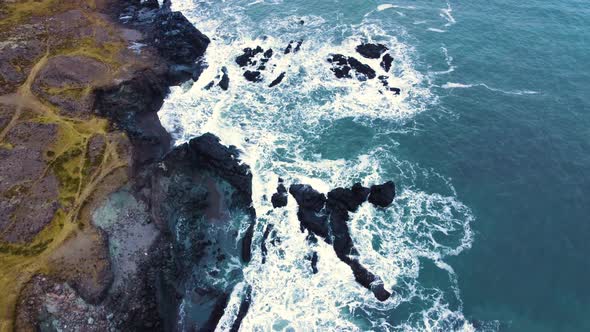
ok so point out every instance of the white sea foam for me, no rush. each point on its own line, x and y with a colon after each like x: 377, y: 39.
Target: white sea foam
x: 452, y: 85
x: 275, y: 128
x: 447, y: 14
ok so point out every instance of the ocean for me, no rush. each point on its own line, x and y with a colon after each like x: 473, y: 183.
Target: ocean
x: 487, y: 143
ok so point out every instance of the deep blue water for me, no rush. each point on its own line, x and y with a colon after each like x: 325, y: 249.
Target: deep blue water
x: 488, y: 145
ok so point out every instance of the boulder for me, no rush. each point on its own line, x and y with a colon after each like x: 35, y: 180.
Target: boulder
x: 386, y: 62
x: 280, y: 198
x: 371, y: 51
x: 224, y: 82
x: 252, y: 76
x: 277, y: 80
x: 382, y: 195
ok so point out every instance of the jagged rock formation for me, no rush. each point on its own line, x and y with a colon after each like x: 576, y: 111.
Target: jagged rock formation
x: 327, y: 218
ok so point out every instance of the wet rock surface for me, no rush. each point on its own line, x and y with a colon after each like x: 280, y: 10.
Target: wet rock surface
x: 280, y: 198
x: 371, y: 51
x: 195, y: 189
x: 345, y: 66
x: 328, y: 217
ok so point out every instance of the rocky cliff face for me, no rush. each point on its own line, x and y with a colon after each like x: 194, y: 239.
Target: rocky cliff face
x: 80, y: 85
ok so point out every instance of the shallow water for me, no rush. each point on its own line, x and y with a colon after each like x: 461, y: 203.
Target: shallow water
x: 486, y: 144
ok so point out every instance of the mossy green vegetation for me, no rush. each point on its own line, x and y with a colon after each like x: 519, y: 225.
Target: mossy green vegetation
x: 80, y: 178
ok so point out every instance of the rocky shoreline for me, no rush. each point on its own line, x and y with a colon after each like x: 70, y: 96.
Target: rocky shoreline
x: 105, y: 227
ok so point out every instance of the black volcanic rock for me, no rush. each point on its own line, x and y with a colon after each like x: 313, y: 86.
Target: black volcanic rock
x: 178, y: 40
x: 313, y: 258
x: 307, y: 197
x: 224, y: 82
x: 268, y: 53
x: 361, y: 68
x: 382, y: 195
x: 371, y: 51
x: 315, y: 210
x: 280, y: 198
x: 209, y: 153
x: 350, y: 198
x: 342, y: 66
x: 277, y: 80
x: 243, y: 309
x: 132, y: 106
x: 194, y: 192
x: 386, y: 62
x: 396, y: 91
x: 252, y: 76
x: 246, y: 58
x: 310, y: 204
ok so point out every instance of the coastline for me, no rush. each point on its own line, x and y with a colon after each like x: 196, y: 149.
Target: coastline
x: 82, y: 118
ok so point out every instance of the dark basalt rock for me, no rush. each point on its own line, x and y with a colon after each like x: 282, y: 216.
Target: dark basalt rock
x: 342, y: 66
x: 224, y: 82
x: 396, y: 91
x: 361, y: 68
x: 243, y: 310
x: 277, y: 80
x: 310, y: 204
x: 280, y: 198
x: 382, y: 195
x: 386, y: 62
x: 385, y: 83
x: 268, y: 53
x: 207, y: 152
x: 352, y: 198
x: 307, y: 197
x: 197, y: 188
x: 178, y: 40
x: 371, y: 51
x: 314, y: 208
x: 313, y: 258
x: 132, y: 106
x: 246, y: 58
x: 253, y: 76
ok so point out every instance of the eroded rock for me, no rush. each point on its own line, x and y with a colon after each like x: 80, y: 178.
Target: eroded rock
x: 371, y: 51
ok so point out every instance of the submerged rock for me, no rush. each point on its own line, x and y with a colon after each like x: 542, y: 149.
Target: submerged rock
x: 277, y: 80
x: 371, y: 51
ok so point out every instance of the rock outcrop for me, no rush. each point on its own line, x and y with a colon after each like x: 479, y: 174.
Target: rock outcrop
x: 328, y: 217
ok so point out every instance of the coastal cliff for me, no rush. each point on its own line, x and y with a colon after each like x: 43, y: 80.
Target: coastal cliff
x: 80, y: 85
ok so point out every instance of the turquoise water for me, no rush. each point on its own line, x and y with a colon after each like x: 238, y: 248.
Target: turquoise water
x: 487, y: 144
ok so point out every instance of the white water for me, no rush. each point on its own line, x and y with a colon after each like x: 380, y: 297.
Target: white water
x: 274, y: 127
